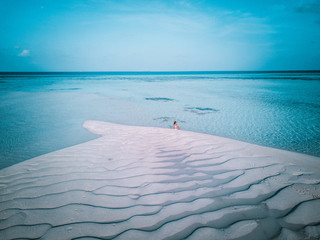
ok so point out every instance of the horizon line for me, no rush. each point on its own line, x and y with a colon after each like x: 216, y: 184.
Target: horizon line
x: 178, y: 71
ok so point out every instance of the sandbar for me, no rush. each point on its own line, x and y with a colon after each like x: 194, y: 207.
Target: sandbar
x: 138, y: 182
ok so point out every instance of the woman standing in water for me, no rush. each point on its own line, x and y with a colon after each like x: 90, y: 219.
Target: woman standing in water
x: 175, y: 125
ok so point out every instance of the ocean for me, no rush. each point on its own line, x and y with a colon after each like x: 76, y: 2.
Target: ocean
x: 44, y: 112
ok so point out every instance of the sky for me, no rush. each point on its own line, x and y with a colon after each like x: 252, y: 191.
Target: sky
x: 148, y: 35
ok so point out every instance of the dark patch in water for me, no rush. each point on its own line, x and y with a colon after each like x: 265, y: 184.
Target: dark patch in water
x: 65, y: 89
x: 160, y: 99
x: 200, y: 110
x: 163, y: 119
x: 168, y: 119
x: 73, y: 88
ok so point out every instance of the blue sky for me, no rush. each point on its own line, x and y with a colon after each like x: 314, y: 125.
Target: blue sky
x: 182, y: 35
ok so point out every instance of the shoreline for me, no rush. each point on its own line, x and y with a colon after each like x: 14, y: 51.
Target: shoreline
x: 146, y: 182
x: 56, y: 106
x: 315, y: 160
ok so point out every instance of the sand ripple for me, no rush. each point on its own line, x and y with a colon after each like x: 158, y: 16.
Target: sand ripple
x: 152, y: 183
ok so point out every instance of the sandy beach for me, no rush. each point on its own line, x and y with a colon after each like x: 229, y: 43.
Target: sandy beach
x: 155, y: 183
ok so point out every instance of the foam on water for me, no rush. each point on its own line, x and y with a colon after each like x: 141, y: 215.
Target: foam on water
x: 40, y: 113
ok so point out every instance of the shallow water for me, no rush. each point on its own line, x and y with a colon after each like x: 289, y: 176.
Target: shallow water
x: 44, y: 112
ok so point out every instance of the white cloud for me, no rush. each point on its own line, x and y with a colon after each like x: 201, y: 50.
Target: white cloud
x: 25, y: 53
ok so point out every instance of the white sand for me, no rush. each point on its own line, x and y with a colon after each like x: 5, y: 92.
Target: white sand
x: 152, y: 183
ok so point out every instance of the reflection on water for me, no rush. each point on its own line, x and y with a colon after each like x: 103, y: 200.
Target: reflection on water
x: 40, y: 113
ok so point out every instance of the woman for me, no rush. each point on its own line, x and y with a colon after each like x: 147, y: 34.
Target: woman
x: 175, y: 125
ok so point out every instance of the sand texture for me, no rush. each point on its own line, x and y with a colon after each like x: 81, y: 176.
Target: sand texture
x: 153, y: 183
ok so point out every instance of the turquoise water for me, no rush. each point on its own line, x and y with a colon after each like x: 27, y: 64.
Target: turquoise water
x: 44, y: 112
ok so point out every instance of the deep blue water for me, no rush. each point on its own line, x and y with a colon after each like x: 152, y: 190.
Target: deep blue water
x: 44, y: 112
